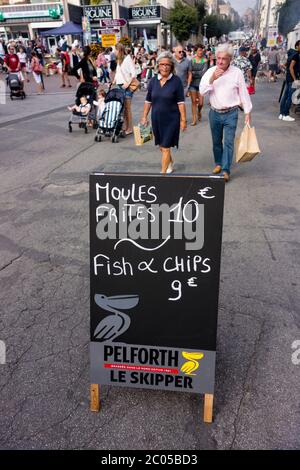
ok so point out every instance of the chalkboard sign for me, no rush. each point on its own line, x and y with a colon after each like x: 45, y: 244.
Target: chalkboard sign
x: 155, y: 265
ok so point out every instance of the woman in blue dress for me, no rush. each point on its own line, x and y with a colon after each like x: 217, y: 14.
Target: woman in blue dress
x: 166, y: 98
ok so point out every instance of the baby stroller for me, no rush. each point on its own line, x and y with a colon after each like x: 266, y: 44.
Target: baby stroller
x: 87, y: 90
x: 111, y: 120
x: 15, y: 86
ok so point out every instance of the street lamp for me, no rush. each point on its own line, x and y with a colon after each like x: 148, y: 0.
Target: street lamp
x: 205, y: 26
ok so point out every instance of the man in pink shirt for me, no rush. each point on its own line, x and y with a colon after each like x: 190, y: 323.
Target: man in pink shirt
x: 227, y: 90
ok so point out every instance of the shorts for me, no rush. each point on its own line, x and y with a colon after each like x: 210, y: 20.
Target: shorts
x: 273, y: 67
x: 193, y: 88
x: 66, y: 69
x: 128, y: 93
x: 113, y: 65
x: 37, y: 77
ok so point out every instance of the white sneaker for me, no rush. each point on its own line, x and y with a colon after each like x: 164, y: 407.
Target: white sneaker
x: 280, y: 116
x: 170, y: 168
x: 288, y: 118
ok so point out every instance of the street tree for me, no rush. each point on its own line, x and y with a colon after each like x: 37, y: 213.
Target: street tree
x: 216, y: 26
x: 183, y: 20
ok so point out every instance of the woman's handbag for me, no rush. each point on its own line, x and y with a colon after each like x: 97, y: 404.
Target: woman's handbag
x: 142, y: 134
x: 134, y: 85
x: 37, y: 67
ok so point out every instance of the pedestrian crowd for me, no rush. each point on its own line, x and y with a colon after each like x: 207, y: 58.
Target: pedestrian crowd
x: 226, y: 75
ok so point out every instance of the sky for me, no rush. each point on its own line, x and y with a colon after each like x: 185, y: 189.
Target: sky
x: 242, y: 5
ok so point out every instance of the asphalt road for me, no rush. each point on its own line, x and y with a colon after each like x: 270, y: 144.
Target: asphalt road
x: 44, y: 295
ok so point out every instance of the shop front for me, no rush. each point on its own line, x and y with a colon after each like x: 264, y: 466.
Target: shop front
x: 149, y: 25
x: 29, y: 20
x: 95, y: 16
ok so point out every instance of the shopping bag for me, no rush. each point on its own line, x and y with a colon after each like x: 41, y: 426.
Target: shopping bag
x: 142, y: 134
x: 251, y: 89
x: 246, y: 145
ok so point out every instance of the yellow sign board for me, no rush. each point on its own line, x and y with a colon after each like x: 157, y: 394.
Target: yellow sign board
x: 109, y: 40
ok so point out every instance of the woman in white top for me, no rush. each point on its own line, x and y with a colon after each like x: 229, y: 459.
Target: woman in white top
x: 125, y: 72
x: 23, y: 58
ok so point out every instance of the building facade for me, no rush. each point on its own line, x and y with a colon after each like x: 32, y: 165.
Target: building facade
x: 28, y: 18
x: 267, y: 16
x: 226, y: 11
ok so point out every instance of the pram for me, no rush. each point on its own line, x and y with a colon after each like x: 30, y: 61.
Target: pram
x: 87, y: 90
x: 16, y: 86
x: 111, y: 120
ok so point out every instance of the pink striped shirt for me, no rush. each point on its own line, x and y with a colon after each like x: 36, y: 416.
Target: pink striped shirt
x: 227, y: 91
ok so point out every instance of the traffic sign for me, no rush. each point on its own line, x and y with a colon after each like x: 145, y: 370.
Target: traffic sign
x: 109, y: 30
x: 110, y: 23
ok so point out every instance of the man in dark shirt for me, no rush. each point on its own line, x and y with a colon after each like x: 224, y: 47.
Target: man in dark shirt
x: 292, y: 74
x: 255, y: 59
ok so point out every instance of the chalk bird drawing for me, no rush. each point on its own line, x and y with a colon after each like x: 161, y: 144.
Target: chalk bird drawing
x: 115, y: 325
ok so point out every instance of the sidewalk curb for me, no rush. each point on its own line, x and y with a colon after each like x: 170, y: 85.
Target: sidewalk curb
x: 32, y: 116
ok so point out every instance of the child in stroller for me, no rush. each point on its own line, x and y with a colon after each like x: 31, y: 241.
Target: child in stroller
x: 83, y: 111
x: 16, y: 85
x: 111, y: 120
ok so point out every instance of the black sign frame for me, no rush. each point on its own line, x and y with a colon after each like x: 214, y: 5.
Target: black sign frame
x: 156, y: 342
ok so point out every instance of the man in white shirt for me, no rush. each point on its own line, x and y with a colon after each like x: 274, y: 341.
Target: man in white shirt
x: 226, y: 87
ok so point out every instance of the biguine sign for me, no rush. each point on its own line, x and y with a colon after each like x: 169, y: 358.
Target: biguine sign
x: 95, y: 13
x: 144, y: 12
x: 155, y: 264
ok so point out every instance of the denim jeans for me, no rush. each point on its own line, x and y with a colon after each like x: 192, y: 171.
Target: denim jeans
x: 286, y: 100
x: 223, y: 127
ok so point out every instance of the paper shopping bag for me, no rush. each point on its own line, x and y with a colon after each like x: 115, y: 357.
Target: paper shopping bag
x: 142, y: 134
x: 246, y: 145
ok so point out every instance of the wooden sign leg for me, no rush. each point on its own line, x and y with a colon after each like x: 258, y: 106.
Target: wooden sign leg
x: 208, y: 408
x: 95, y: 397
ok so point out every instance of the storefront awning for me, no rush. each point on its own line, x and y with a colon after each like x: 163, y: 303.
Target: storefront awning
x: 67, y: 28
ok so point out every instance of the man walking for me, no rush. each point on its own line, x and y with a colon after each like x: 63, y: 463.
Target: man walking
x: 243, y: 63
x: 255, y: 60
x: 227, y: 89
x: 183, y: 67
x: 292, y: 74
x: 274, y: 60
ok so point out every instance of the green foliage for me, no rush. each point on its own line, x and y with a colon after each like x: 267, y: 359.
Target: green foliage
x: 289, y: 16
x: 125, y: 41
x: 183, y: 20
x: 201, y: 9
x: 95, y: 48
x: 216, y: 26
